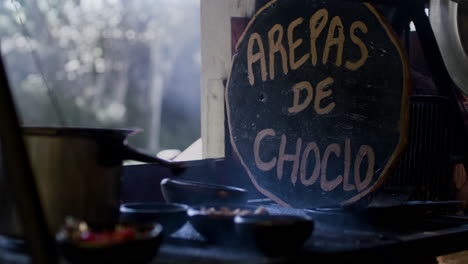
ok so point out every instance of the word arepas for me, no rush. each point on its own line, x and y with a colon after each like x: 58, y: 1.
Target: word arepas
x: 290, y: 60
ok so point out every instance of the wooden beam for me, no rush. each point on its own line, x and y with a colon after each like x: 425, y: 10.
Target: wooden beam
x: 216, y: 65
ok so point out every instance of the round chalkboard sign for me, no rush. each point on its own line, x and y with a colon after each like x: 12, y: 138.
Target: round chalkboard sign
x: 317, y: 101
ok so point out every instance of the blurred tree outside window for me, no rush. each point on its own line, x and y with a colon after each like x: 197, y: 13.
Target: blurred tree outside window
x: 108, y: 64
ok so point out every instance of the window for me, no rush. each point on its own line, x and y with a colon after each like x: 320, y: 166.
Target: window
x: 107, y: 63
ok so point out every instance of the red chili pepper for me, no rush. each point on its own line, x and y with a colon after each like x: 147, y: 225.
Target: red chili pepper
x: 119, y: 235
x: 88, y: 236
x: 124, y: 234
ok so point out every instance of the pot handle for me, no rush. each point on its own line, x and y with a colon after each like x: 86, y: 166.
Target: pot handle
x: 130, y: 153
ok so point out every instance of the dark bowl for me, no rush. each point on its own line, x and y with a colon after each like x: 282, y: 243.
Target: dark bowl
x: 193, y: 193
x: 217, y: 229
x: 138, y: 250
x: 274, y: 234
x: 170, y: 215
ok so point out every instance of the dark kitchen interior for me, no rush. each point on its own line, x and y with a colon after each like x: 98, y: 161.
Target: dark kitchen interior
x: 168, y: 131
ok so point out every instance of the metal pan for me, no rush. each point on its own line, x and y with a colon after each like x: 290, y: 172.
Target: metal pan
x: 449, y: 21
x: 401, y: 215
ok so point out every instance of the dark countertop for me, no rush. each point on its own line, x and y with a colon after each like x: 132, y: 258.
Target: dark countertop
x: 432, y: 237
x: 328, y: 244
x: 416, y: 244
x: 423, y: 240
x: 330, y: 247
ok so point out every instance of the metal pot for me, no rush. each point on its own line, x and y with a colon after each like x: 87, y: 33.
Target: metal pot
x: 77, y: 171
x: 449, y: 20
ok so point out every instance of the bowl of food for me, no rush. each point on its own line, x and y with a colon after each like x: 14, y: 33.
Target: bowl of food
x: 120, y: 244
x: 215, y: 222
x: 274, y: 234
x: 171, y: 216
x: 193, y: 193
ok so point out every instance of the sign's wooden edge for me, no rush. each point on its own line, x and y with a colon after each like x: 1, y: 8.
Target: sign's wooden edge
x: 404, y: 113
x: 404, y: 116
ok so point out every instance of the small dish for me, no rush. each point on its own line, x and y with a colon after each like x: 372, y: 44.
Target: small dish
x: 171, y: 216
x: 274, y: 234
x: 218, y: 227
x: 193, y: 193
x: 140, y: 249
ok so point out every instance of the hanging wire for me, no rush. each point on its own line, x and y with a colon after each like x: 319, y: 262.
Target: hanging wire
x: 37, y: 61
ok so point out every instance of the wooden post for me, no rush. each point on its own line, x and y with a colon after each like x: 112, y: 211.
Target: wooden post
x: 216, y: 65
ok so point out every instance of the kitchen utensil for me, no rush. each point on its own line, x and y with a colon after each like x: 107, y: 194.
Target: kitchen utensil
x: 216, y: 227
x: 77, y: 171
x: 274, y: 234
x: 400, y: 215
x: 449, y: 21
x: 192, y: 193
x: 18, y: 188
x: 137, y: 250
x: 170, y: 215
